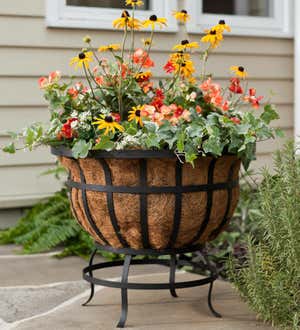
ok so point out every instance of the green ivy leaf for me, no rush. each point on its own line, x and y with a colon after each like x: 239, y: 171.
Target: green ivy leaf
x: 279, y: 132
x: 269, y: 114
x: 104, y: 144
x: 213, y: 146
x: 81, y: 149
x: 11, y: 148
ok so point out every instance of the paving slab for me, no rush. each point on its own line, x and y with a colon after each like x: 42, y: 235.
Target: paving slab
x: 22, y: 302
x: 42, y: 292
x: 154, y: 310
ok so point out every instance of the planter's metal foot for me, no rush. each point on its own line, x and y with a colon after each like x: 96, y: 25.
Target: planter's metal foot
x: 124, y: 294
x: 173, y: 264
x: 91, y: 274
x: 214, y: 312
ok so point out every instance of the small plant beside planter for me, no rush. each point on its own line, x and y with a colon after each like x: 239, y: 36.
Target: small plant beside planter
x: 153, y: 167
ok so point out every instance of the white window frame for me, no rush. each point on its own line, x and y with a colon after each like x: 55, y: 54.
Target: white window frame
x: 59, y: 15
x: 281, y: 25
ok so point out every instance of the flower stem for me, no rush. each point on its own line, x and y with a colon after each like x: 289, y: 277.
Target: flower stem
x: 204, y: 62
x: 89, y: 82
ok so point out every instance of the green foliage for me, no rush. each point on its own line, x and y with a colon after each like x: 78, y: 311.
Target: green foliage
x: 269, y: 278
x: 47, y: 225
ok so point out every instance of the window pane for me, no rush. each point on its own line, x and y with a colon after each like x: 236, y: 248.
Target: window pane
x: 239, y: 7
x: 105, y: 4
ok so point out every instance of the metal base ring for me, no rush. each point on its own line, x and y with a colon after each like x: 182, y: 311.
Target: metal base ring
x: 124, y: 285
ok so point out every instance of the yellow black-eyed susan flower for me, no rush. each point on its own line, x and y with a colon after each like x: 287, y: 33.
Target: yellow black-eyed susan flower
x: 87, y: 39
x: 181, y: 16
x: 83, y: 58
x: 143, y: 76
x: 111, y: 48
x: 239, y: 71
x: 214, y: 37
x: 186, y: 44
x: 222, y: 26
x: 134, y: 3
x: 135, y: 115
x: 108, y: 123
x: 154, y: 20
x: 183, y: 64
x: 147, y: 42
x: 125, y: 21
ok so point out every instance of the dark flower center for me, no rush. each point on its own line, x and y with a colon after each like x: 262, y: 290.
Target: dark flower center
x: 213, y: 32
x: 125, y: 14
x: 184, y: 11
x: 222, y: 22
x: 184, y: 42
x: 138, y: 113
x: 109, y: 119
x: 183, y: 65
x: 153, y: 18
x: 81, y: 56
x: 241, y: 68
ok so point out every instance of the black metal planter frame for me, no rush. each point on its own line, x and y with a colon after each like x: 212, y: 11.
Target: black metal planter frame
x: 177, y: 259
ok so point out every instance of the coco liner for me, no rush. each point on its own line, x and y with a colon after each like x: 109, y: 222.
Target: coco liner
x: 149, y: 199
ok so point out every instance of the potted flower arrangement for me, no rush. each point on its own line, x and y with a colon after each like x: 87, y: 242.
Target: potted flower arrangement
x: 151, y: 165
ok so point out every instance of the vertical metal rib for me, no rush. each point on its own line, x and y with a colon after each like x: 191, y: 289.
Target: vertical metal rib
x: 110, y: 203
x: 209, y: 201
x: 87, y: 210
x: 229, y: 199
x: 177, y: 212
x: 143, y: 204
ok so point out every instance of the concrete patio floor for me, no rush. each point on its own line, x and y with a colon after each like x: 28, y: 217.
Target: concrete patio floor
x: 42, y: 292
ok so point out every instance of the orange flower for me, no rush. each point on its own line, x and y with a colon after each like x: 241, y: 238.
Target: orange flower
x: 99, y: 80
x: 73, y: 92
x: 43, y: 82
x: 142, y: 58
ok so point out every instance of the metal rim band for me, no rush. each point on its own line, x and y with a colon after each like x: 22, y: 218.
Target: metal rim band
x: 153, y: 189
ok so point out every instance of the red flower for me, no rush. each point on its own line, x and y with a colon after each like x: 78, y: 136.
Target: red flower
x: 116, y: 117
x: 169, y: 67
x: 225, y: 106
x: 253, y: 99
x: 158, y: 100
x: 235, y: 120
x: 235, y: 86
x: 67, y: 130
x: 178, y: 112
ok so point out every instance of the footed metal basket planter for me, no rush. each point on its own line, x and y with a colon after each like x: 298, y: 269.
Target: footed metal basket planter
x: 148, y: 202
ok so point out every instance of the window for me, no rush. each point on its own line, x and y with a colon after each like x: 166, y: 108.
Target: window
x: 104, y: 4
x: 272, y: 18
x: 99, y: 14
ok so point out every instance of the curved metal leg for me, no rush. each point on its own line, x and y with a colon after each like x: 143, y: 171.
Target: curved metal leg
x: 173, y: 264
x: 124, y: 294
x: 215, y: 313
x: 91, y: 275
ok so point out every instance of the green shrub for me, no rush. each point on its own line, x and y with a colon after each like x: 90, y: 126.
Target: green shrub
x: 269, y: 279
x: 47, y: 225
